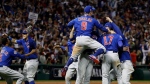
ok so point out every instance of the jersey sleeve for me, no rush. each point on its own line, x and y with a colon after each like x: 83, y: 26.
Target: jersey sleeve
x: 99, y: 26
x: 33, y: 44
x: 14, y: 53
x: 71, y: 23
x: 19, y: 41
x: 116, y: 29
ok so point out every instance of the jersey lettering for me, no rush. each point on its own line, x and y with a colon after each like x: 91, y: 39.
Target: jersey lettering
x: 83, y: 25
x: 108, y: 42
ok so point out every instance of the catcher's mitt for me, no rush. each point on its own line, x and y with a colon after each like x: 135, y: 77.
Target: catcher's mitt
x: 63, y: 72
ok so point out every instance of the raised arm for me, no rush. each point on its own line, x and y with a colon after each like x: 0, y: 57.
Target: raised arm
x: 99, y: 26
x: 114, y: 26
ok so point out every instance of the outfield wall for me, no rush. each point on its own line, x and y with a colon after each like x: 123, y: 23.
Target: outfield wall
x: 53, y: 72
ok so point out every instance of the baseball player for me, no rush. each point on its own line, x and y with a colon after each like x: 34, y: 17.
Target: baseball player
x: 125, y: 58
x: 73, y: 67
x: 85, y: 67
x: 83, y: 26
x: 6, y: 55
x: 112, y: 43
x: 32, y: 63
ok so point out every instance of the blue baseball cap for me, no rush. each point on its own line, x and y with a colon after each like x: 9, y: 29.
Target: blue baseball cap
x: 108, y: 24
x: 88, y: 9
x: 24, y: 32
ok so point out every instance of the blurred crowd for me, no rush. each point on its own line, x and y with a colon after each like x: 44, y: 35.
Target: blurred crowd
x: 51, y: 33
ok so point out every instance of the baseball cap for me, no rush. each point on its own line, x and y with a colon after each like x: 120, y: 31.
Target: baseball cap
x: 108, y: 24
x: 24, y: 32
x: 88, y: 9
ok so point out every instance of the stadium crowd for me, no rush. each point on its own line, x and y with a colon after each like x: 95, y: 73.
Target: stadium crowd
x: 51, y: 33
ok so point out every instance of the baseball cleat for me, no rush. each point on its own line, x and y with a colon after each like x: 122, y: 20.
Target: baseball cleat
x: 94, y: 59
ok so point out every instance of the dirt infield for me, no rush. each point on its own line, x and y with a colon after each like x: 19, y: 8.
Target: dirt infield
x: 92, y: 82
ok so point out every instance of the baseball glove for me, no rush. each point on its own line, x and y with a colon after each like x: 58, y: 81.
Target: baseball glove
x: 29, y: 29
x: 63, y: 72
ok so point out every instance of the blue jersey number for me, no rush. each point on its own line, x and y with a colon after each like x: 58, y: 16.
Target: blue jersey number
x: 108, y: 40
x: 83, y: 25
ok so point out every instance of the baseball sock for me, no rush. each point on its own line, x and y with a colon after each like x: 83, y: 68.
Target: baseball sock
x: 70, y: 60
x: 26, y: 82
x: 31, y: 82
x: 98, y: 52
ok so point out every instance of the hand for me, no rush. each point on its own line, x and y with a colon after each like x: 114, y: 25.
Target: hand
x: 4, y: 34
x: 125, y: 48
x: 108, y: 19
x: 64, y: 70
x: 112, y: 32
x: 26, y: 54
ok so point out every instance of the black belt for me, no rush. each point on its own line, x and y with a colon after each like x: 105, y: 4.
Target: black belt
x: 113, y: 51
x: 31, y: 59
x: 1, y: 65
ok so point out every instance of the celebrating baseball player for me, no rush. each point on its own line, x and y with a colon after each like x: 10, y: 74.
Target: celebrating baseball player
x: 112, y: 43
x: 32, y: 63
x: 7, y: 54
x: 73, y: 67
x: 83, y: 26
x: 84, y: 63
x: 125, y: 58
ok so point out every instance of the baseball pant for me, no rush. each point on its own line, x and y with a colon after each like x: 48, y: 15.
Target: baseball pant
x: 30, y: 69
x: 85, y: 67
x: 9, y: 74
x: 111, y: 59
x: 72, y: 69
x: 85, y: 41
x: 127, y: 71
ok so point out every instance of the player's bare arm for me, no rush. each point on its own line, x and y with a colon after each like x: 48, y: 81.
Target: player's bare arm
x: 32, y: 52
x: 108, y: 19
x: 10, y: 38
x: 71, y: 33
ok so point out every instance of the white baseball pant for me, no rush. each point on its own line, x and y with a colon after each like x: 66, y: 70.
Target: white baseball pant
x: 72, y: 69
x: 9, y: 74
x: 30, y: 69
x: 127, y: 71
x: 111, y: 59
x: 85, y: 41
x: 85, y: 67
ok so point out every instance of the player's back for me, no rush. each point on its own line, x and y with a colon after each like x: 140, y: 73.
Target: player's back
x: 110, y: 41
x: 84, y: 25
x: 5, y: 56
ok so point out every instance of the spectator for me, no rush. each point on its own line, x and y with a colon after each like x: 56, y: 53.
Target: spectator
x: 148, y: 59
x: 133, y: 57
x: 139, y: 57
x: 132, y: 17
